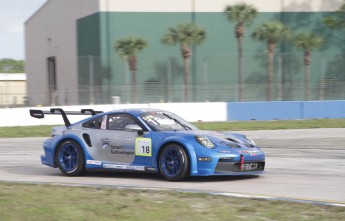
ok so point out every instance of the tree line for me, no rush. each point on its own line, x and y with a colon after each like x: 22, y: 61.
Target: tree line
x: 8, y: 65
x: 187, y: 35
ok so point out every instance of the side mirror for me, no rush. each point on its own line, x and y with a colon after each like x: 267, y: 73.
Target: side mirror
x: 134, y: 128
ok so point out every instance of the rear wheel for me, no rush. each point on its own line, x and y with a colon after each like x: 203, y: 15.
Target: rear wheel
x: 70, y: 158
x: 174, y: 163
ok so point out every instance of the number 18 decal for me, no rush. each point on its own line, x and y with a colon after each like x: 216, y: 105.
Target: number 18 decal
x: 143, y: 147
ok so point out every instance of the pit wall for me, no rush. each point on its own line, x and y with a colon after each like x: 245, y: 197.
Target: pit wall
x: 285, y: 110
x: 213, y: 111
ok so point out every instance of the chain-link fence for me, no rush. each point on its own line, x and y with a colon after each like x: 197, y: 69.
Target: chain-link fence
x: 211, y: 78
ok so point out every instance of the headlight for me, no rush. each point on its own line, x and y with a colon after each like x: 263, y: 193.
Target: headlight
x: 251, y: 141
x: 204, y: 141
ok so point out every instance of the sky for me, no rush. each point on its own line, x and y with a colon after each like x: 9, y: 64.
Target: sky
x: 13, y: 14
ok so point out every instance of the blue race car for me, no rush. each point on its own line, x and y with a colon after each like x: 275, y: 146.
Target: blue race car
x: 146, y: 140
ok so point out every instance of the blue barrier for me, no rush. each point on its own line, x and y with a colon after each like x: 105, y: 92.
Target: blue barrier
x: 285, y: 110
x: 324, y: 109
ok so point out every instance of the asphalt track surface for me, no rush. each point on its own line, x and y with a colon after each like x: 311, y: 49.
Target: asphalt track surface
x: 300, y: 164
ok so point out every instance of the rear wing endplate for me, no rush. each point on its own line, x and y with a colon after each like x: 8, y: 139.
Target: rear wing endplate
x: 40, y: 113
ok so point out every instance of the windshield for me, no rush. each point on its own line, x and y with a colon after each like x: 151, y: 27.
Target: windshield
x: 165, y: 121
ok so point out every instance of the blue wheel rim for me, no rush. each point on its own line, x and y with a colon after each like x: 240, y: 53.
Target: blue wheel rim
x: 68, y: 157
x: 171, y: 161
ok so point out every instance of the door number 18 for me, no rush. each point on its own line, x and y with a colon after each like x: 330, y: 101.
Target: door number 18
x: 143, y: 147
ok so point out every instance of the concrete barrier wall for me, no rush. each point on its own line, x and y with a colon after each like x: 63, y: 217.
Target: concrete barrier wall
x: 263, y: 110
x: 325, y: 109
x: 285, y: 110
x: 213, y: 111
x: 189, y: 111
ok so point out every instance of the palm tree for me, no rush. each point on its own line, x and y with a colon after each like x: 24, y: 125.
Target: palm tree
x: 273, y: 33
x: 186, y: 35
x: 128, y: 48
x: 336, y: 21
x: 243, y: 14
x: 307, y: 42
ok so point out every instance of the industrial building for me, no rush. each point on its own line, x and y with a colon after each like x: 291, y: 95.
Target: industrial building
x: 70, y: 57
x: 12, y: 89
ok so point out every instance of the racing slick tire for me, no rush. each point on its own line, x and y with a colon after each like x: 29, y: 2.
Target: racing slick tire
x: 70, y: 158
x: 174, y: 163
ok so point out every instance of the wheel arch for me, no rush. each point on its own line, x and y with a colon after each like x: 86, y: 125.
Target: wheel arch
x: 75, y: 139
x: 187, y: 147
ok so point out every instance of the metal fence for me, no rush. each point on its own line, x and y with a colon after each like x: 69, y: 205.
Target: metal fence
x: 212, y: 78
x: 12, y: 96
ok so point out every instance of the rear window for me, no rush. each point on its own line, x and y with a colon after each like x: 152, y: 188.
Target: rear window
x: 94, y: 123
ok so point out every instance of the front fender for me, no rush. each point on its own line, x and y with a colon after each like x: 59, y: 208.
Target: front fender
x: 187, y: 145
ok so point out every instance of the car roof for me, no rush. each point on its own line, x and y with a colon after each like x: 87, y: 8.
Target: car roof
x: 135, y: 111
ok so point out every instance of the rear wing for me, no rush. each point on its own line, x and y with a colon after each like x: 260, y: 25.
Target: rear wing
x: 40, y: 113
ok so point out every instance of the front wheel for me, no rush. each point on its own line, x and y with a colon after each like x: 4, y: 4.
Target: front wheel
x: 174, y: 163
x: 70, y: 158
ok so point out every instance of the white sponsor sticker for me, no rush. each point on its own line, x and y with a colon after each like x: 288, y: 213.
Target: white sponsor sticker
x: 123, y: 167
x: 94, y: 162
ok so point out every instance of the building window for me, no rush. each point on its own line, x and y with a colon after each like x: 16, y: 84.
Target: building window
x: 52, y: 74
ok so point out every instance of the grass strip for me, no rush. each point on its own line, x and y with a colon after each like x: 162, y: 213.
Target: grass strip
x: 44, y: 131
x: 51, y: 202
x: 272, y: 125
x: 25, y: 131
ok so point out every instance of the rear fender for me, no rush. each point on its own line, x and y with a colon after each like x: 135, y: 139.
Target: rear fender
x: 87, y: 156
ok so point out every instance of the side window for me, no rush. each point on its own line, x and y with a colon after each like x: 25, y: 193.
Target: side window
x: 119, y: 122
x: 95, y: 123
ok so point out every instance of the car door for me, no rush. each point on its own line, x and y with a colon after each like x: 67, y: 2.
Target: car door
x: 114, y: 143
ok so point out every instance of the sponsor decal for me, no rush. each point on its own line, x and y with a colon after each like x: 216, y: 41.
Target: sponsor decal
x: 105, y: 146
x: 123, y: 138
x: 251, y: 152
x: 224, y: 151
x: 143, y: 147
x: 123, y: 167
x: 249, y: 166
x: 121, y: 150
x: 94, y: 162
x: 116, y: 149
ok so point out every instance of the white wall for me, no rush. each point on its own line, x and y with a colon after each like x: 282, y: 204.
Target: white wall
x: 190, y: 111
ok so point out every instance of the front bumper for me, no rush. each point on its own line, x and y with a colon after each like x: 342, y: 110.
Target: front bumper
x: 231, y: 164
x: 225, y: 166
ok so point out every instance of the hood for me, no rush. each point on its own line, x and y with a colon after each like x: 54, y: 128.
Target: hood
x: 228, y: 138
x: 234, y: 140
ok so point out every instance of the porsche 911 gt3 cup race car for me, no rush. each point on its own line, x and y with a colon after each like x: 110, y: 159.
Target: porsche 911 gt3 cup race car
x: 146, y: 140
